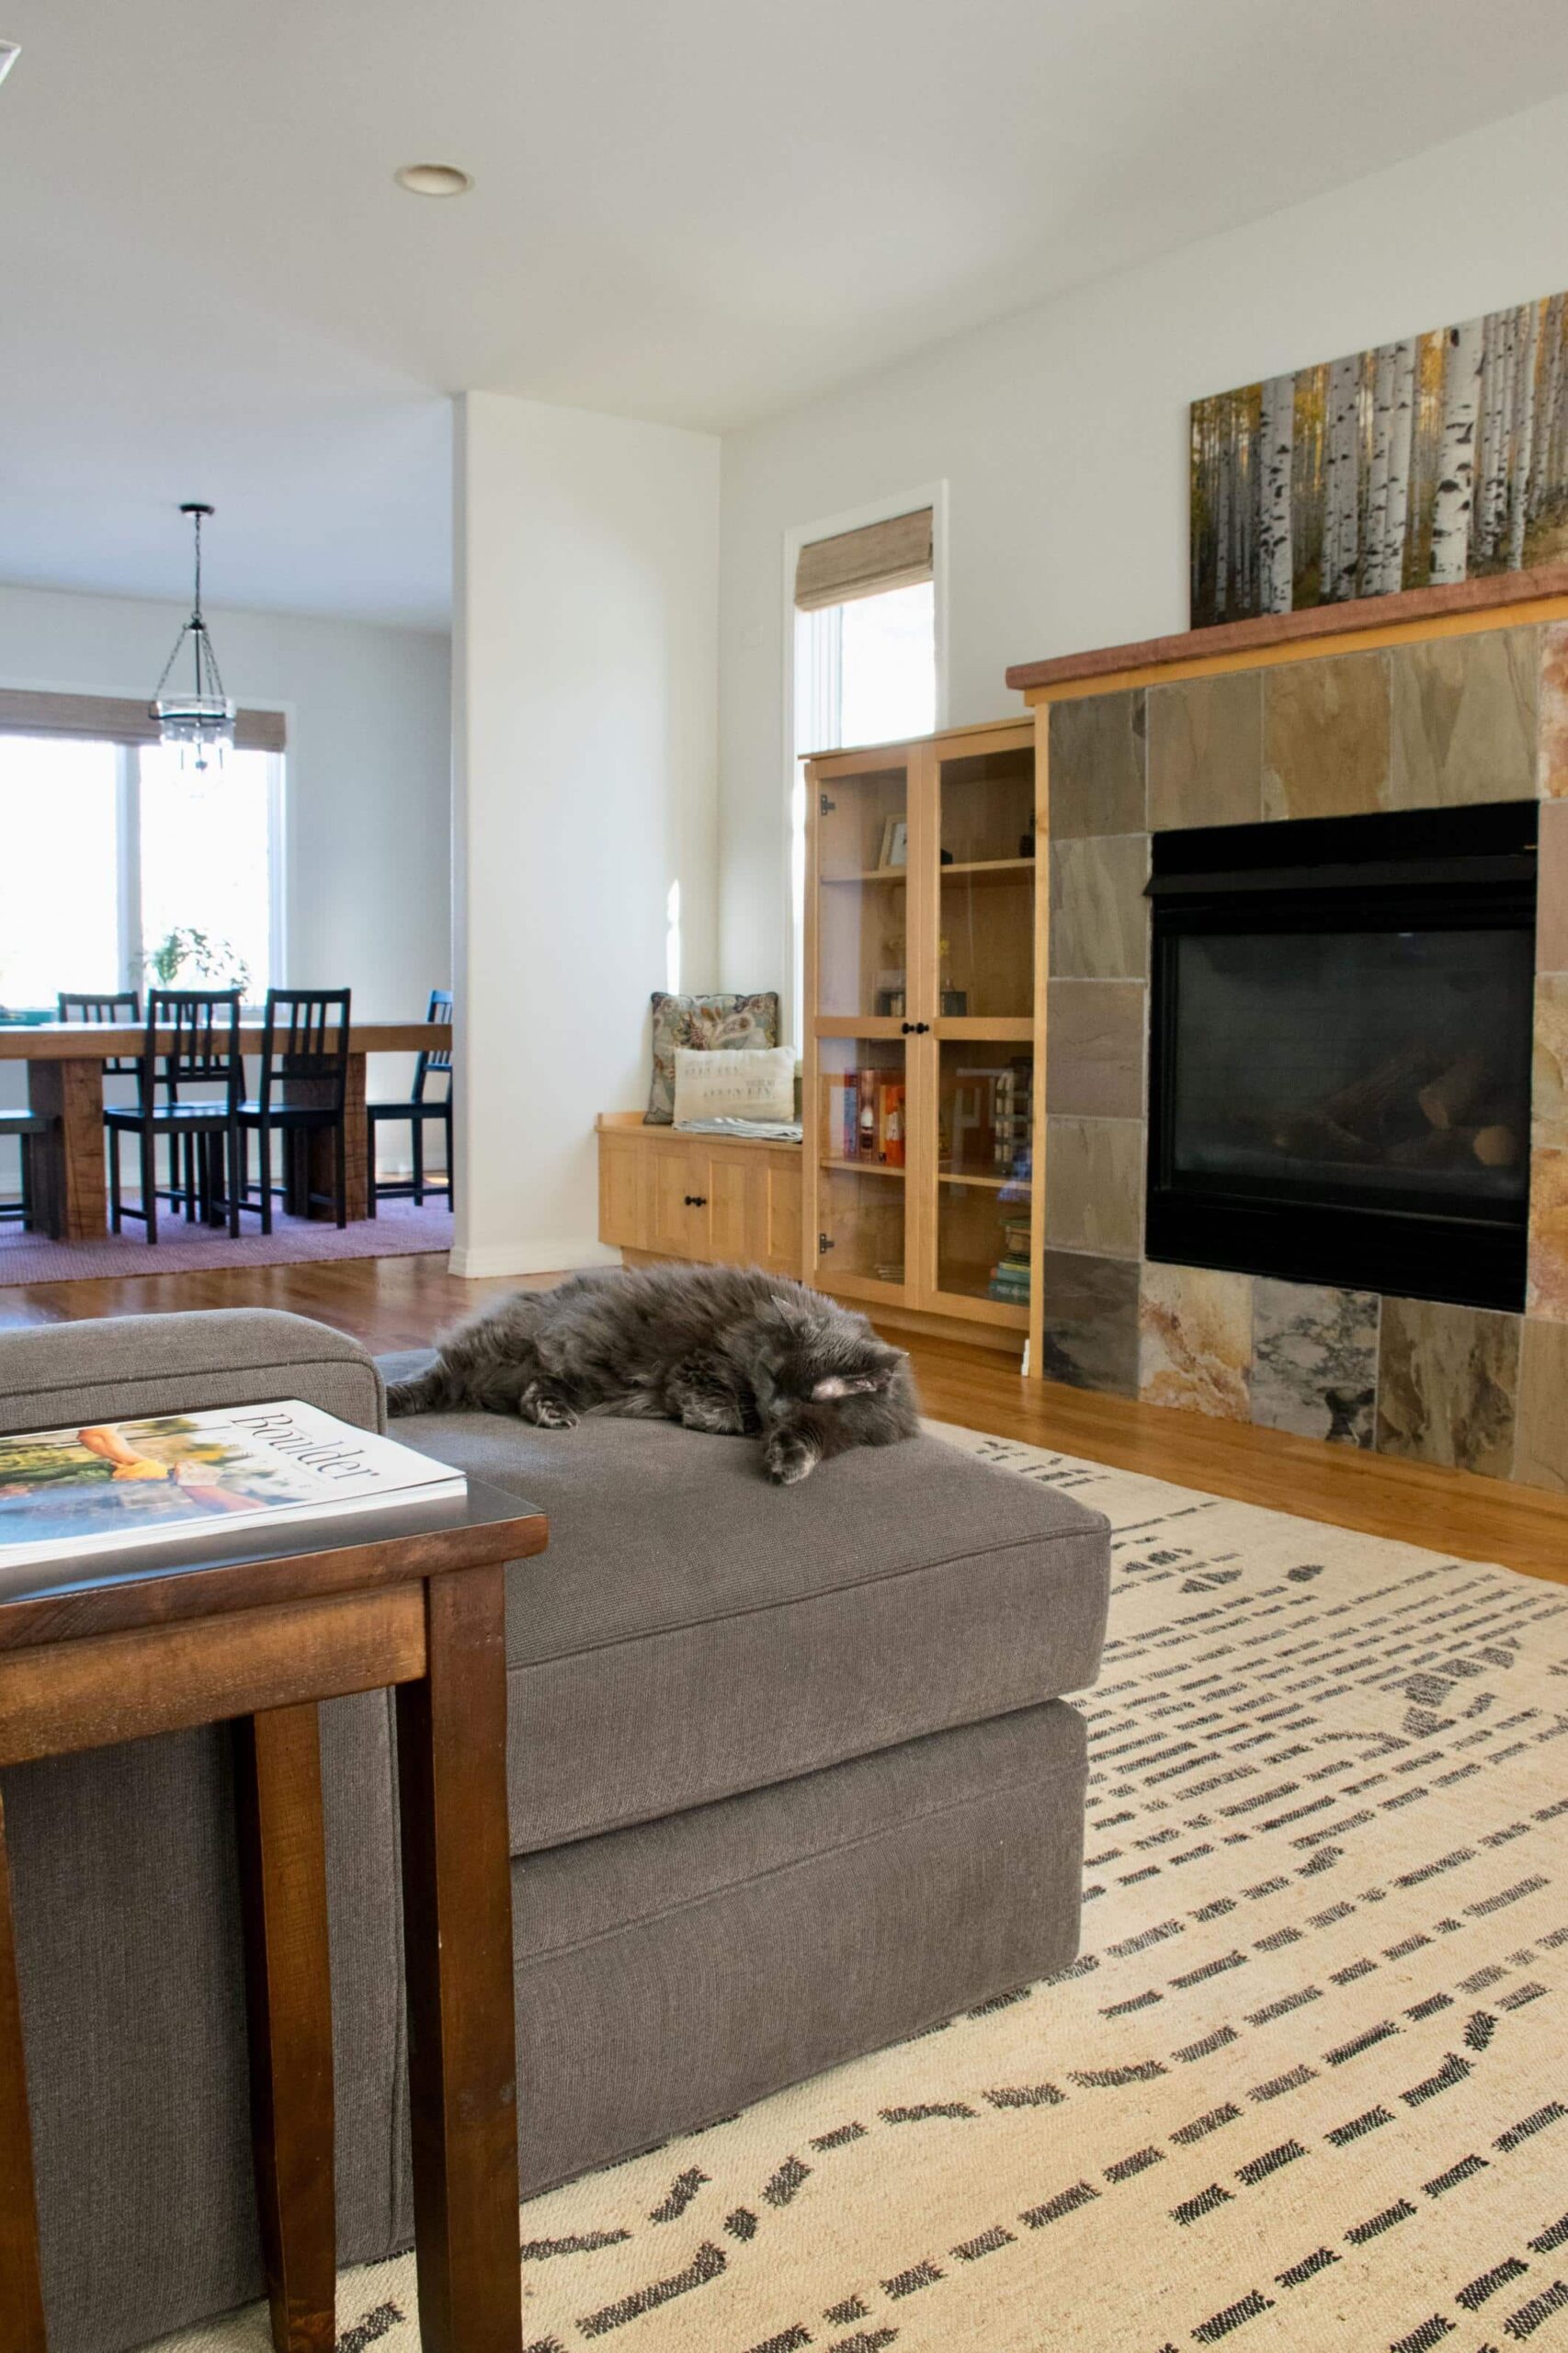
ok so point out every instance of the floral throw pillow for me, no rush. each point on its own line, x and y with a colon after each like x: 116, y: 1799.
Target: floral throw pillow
x: 737, y: 1023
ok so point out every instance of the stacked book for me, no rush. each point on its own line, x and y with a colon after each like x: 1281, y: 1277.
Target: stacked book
x: 1010, y: 1276
x: 863, y: 1118
x: 1013, y: 1118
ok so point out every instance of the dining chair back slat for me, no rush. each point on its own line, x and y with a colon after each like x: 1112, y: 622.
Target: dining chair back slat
x: 435, y: 1060
x: 205, y: 1044
x: 118, y: 1004
x: 305, y: 1038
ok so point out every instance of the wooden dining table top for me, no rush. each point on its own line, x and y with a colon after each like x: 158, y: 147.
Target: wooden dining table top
x: 66, y: 1042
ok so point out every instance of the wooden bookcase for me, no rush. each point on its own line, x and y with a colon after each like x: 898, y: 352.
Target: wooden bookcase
x: 926, y: 967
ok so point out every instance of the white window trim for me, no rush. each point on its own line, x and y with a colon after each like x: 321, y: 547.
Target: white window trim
x: 933, y: 494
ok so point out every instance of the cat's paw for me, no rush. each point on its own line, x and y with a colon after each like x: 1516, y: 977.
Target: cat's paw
x: 788, y: 1459
x: 546, y: 1410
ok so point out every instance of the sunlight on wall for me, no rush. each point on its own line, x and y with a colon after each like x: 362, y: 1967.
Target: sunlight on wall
x: 672, y: 941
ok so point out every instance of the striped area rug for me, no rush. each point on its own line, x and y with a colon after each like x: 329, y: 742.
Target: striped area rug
x: 1305, y: 2086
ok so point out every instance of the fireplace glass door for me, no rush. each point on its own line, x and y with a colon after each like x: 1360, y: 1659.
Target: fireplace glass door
x: 1340, y: 1074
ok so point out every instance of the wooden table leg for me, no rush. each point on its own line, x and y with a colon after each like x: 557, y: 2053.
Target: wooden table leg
x: 322, y: 1149
x: 68, y: 1162
x: 456, y: 1916
x: 282, y: 1846
x: 21, y: 2286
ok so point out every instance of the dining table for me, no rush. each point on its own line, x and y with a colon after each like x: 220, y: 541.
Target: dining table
x: 65, y: 1087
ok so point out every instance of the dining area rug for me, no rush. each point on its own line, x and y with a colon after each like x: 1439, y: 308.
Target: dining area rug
x: 1306, y: 2085
x: 399, y: 1228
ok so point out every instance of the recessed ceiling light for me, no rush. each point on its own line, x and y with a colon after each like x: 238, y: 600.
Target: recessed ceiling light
x: 9, y: 52
x: 434, y: 179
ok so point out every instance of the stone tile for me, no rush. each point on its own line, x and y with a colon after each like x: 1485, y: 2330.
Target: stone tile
x: 1326, y: 737
x: 1090, y: 1331
x: 1094, y: 1065
x: 1552, y: 748
x: 1548, y: 1071
x: 1547, y: 1292
x: 1205, y: 752
x: 1195, y: 1340
x: 1464, y: 719
x: 1541, y: 1432
x: 1100, y: 918
x: 1551, y: 890
x: 1447, y: 1381
x: 1314, y: 1361
x: 1093, y: 1185
x: 1096, y: 766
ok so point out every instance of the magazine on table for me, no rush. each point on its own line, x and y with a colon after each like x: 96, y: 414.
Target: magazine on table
x: 162, y: 1478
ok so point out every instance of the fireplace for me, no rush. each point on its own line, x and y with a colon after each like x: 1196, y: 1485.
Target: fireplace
x: 1340, y: 1051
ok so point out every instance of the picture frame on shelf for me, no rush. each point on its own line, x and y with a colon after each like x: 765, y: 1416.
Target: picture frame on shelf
x: 895, y: 844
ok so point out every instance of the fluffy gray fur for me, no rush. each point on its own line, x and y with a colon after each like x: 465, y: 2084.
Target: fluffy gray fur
x: 727, y: 1349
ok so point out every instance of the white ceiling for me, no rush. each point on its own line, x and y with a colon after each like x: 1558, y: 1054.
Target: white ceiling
x: 698, y: 211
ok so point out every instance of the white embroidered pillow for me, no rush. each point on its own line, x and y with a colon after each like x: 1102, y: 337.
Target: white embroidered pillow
x: 725, y: 1083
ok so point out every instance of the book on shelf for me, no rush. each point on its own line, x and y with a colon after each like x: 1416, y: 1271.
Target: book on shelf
x: 163, y: 1478
x: 863, y: 1118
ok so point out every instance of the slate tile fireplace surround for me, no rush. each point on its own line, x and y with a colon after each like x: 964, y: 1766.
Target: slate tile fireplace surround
x: 1437, y: 764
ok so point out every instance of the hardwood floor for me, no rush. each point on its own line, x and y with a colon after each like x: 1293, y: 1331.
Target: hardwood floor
x: 401, y: 1302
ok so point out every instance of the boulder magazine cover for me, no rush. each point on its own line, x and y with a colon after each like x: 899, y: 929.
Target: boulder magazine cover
x: 108, y: 1486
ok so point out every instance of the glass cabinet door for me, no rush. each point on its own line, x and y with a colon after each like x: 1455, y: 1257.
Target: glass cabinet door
x: 862, y: 1133
x: 862, y: 897
x: 985, y: 947
x: 984, y: 1171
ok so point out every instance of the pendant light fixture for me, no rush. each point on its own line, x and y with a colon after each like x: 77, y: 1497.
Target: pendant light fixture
x: 201, y: 720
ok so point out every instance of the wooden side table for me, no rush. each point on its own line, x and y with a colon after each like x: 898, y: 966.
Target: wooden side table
x: 257, y: 1632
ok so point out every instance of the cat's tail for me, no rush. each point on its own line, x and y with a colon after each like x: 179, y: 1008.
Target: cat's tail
x: 424, y: 1393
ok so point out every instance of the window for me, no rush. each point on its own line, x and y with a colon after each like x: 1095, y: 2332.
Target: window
x: 111, y: 847
x: 865, y: 664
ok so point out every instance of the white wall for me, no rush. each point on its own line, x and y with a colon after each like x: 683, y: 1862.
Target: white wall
x: 1061, y: 434
x: 584, y: 680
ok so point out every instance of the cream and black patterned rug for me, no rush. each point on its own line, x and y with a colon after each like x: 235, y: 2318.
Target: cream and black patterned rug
x: 1306, y: 2086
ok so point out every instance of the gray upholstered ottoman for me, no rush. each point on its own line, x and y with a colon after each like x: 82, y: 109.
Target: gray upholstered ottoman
x: 790, y: 1773
x: 790, y: 1778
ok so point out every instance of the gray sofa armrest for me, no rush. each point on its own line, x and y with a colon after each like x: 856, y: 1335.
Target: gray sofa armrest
x: 126, y: 1365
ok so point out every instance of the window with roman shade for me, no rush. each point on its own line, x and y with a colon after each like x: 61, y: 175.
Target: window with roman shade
x: 111, y: 847
x: 114, y: 719
x: 896, y: 554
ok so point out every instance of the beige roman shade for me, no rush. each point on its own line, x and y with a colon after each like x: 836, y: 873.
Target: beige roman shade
x: 894, y: 554
x: 110, y: 720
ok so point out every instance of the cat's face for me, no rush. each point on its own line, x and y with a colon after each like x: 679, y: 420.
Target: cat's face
x: 838, y: 1367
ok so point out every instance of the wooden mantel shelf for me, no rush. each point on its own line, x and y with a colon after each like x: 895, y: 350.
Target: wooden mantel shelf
x: 1515, y: 596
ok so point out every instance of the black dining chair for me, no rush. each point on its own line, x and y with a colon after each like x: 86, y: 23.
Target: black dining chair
x: 434, y: 1062
x: 204, y: 1051
x: 125, y: 1005
x: 23, y: 1126
x: 304, y: 1090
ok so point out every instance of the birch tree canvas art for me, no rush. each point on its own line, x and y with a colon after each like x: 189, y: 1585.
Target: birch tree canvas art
x: 1440, y: 457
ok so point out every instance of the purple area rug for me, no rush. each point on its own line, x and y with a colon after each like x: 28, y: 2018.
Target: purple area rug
x: 397, y: 1230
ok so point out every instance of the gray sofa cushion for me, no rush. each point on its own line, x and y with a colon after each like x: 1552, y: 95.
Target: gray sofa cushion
x: 119, y: 1366
x: 693, y: 1632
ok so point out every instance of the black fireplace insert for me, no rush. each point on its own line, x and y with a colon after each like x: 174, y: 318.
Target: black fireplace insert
x: 1340, y: 1051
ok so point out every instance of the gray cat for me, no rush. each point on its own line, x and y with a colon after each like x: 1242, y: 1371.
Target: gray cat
x: 727, y: 1349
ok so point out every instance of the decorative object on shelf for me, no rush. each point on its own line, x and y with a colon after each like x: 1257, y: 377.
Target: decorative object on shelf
x: 202, y: 721
x: 896, y: 843
x: 1436, y: 459
x: 708, y: 1023
x: 747, y: 1083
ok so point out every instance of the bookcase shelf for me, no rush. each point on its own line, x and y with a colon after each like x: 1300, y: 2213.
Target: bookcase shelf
x: 925, y: 996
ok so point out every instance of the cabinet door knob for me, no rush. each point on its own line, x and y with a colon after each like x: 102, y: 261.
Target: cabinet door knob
x: 921, y: 1028
x: 697, y: 1200
x: 907, y: 1027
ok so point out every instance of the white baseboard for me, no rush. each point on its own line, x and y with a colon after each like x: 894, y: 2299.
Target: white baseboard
x: 532, y: 1257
